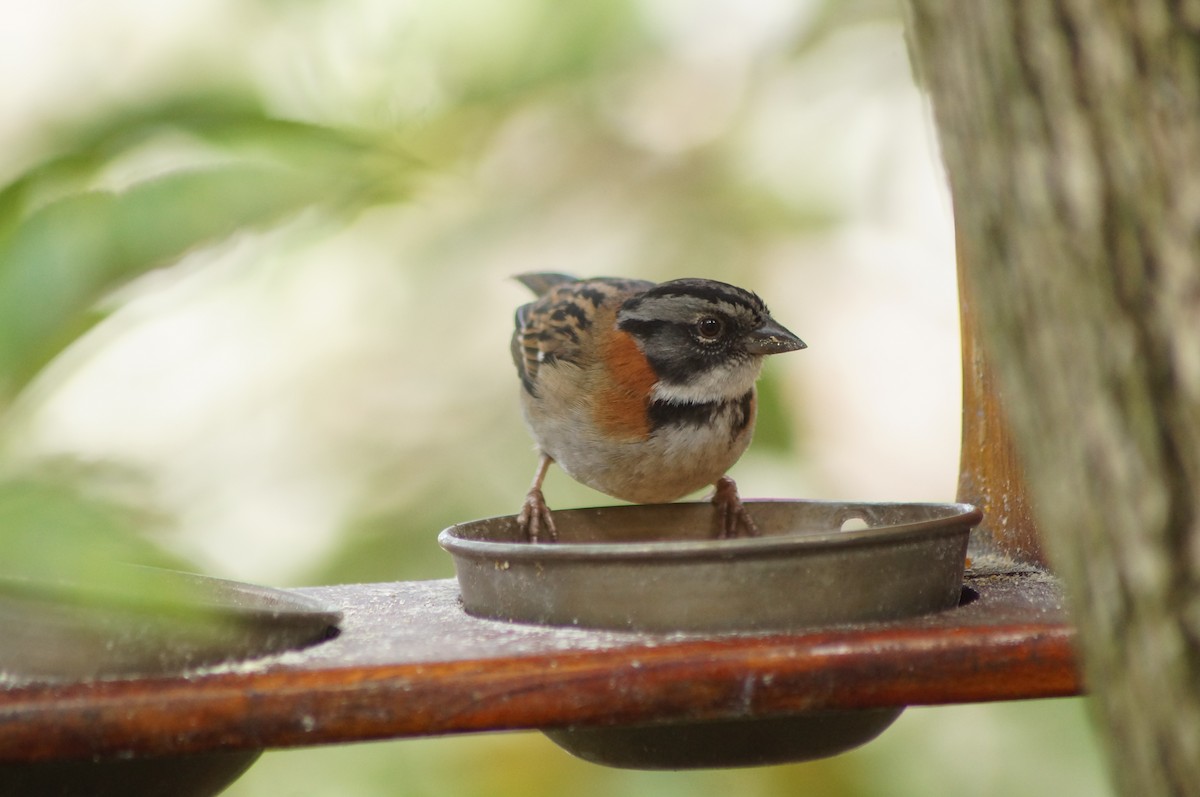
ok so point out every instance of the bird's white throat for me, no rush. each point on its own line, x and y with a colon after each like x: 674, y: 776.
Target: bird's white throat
x: 720, y: 383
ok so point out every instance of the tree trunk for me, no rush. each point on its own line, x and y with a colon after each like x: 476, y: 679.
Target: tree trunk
x: 1070, y: 131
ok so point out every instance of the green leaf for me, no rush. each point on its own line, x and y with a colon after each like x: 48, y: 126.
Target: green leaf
x: 52, y: 531
x: 68, y: 254
x: 64, y: 246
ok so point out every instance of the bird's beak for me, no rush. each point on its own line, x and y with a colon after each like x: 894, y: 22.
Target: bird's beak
x: 772, y: 338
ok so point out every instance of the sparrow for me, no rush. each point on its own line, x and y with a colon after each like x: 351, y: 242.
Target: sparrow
x: 642, y: 391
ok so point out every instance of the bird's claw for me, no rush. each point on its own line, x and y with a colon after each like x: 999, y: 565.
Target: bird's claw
x: 733, y: 520
x: 535, y: 520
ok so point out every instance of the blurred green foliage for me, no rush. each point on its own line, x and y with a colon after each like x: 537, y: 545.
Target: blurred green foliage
x: 50, y: 523
x: 65, y: 244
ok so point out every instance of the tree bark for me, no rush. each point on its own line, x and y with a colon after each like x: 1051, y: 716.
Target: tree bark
x: 1070, y: 131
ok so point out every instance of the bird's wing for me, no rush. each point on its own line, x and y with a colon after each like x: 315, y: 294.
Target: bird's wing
x: 556, y: 326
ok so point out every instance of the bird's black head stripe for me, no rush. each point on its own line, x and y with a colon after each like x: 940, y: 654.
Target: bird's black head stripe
x: 708, y: 291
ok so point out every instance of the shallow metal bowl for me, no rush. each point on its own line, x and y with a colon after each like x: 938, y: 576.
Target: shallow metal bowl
x: 748, y: 742
x: 659, y: 568
x: 141, y: 621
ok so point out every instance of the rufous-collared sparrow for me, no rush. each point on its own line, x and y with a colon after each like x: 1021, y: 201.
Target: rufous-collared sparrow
x: 642, y: 391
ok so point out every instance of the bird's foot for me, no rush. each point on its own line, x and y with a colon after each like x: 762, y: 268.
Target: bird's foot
x: 535, y: 521
x: 733, y: 520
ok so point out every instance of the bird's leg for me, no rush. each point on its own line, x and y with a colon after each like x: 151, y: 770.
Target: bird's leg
x: 732, y: 518
x: 535, y: 519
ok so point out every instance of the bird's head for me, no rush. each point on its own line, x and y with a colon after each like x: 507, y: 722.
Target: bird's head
x: 704, y: 339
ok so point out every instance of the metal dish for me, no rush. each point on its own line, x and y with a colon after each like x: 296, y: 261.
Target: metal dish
x: 658, y: 568
x: 140, y: 621
x: 202, y: 775
x: 750, y: 742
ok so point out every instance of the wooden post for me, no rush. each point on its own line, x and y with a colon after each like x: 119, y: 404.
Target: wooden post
x: 989, y: 475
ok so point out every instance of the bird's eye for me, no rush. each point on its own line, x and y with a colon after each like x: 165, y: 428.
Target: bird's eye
x: 709, y: 328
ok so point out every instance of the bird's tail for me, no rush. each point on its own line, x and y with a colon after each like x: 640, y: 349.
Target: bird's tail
x: 542, y: 281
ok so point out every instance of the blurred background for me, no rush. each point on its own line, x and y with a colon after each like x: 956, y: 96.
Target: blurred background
x: 255, y: 301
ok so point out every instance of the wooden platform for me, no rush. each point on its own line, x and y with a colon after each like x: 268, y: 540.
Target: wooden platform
x: 408, y: 662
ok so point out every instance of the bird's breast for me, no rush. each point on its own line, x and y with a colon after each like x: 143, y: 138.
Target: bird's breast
x: 685, y: 449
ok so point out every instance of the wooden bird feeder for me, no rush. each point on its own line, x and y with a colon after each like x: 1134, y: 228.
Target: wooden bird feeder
x: 407, y: 661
